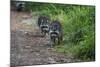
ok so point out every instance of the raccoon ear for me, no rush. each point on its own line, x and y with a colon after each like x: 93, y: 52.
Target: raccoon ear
x: 47, y: 20
x: 42, y: 20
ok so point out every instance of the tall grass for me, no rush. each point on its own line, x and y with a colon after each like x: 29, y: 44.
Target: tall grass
x: 78, y: 24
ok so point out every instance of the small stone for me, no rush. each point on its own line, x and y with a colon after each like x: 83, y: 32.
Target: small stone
x: 37, y: 54
x: 27, y: 47
x: 51, y: 60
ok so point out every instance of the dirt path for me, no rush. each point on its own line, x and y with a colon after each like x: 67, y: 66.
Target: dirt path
x: 27, y: 46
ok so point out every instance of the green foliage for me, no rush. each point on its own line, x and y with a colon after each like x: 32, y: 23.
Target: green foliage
x: 78, y: 25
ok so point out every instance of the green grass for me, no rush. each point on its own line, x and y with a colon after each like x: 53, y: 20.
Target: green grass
x: 78, y: 27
